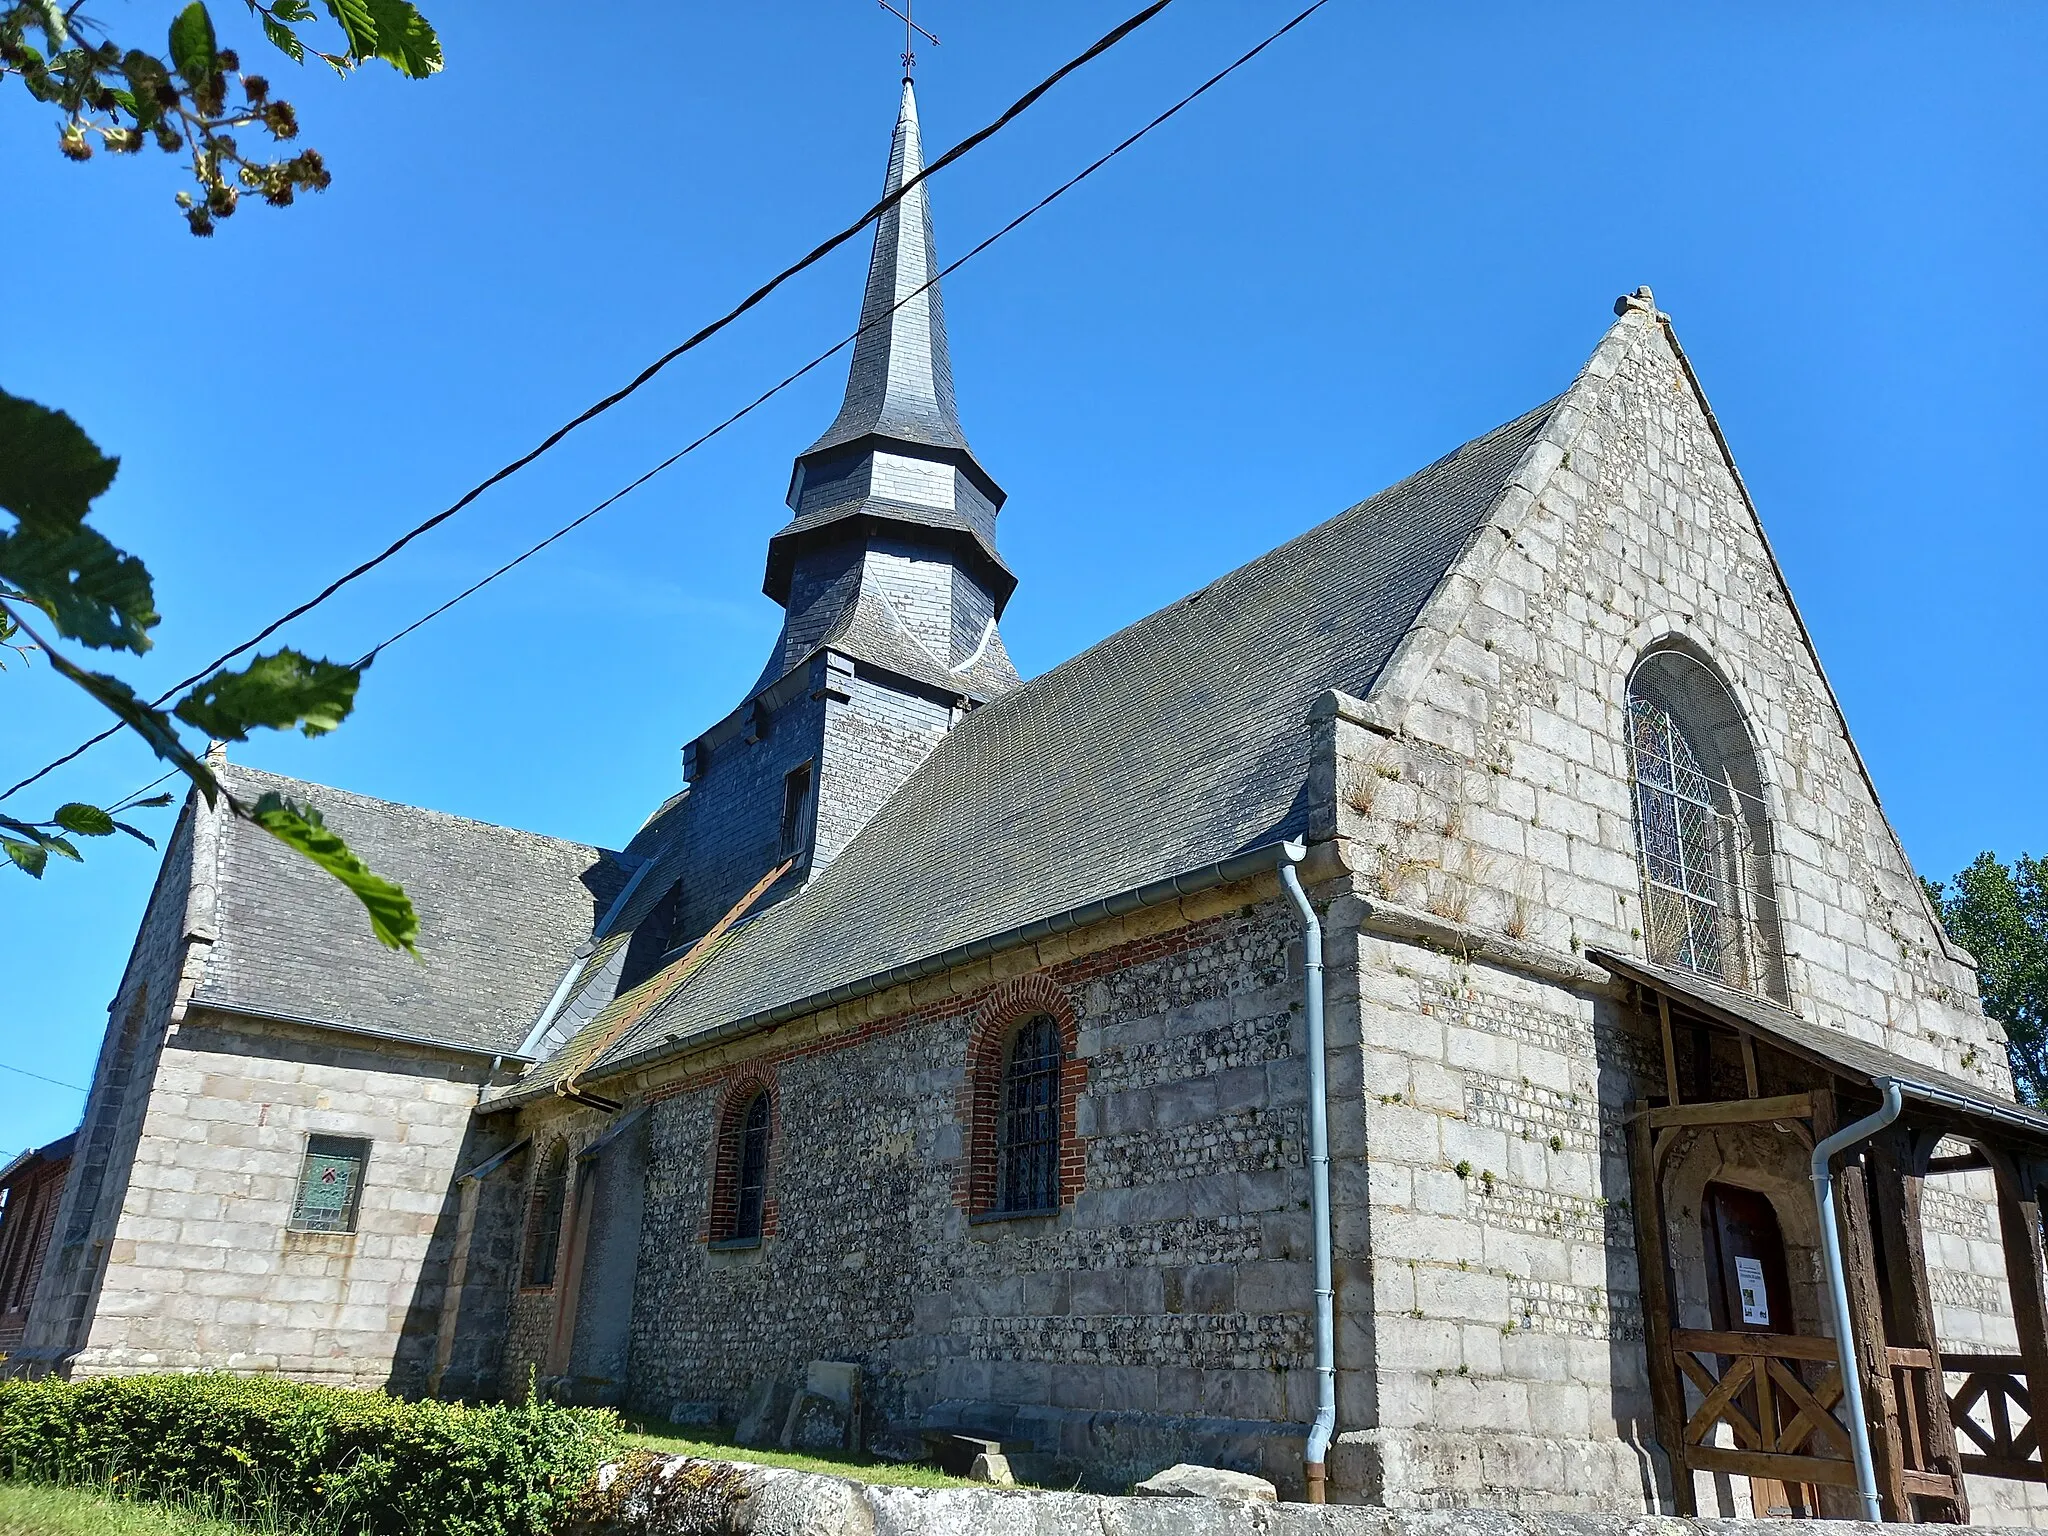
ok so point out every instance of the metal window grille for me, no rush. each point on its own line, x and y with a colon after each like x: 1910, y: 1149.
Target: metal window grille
x: 544, y: 1221
x: 1029, y: 1170
x: 330, y: 1184
x: 752, y: 1190
x: 1692, y: 852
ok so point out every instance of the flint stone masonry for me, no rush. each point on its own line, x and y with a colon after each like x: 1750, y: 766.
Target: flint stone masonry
x: 1178, y: 1276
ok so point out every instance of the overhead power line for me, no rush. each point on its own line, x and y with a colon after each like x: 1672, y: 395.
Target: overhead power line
x: 53, y: 1082
x: 1060, y: 191
x: 840, y: 346
x: 1015, y: 110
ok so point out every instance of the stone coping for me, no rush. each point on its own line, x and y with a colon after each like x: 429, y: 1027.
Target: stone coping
x: 672, y: 1495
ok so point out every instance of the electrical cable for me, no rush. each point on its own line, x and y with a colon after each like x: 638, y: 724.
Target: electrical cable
x: 55, y: 1083
x: 765, y: 396
x: 1016, y: 109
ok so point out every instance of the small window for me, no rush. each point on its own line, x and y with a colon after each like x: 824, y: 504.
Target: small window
x: 544, y: 1219
x: 330, y: 1184
x: 796, y: 809
x: 752, y: 1191
x: 1028, y: 1176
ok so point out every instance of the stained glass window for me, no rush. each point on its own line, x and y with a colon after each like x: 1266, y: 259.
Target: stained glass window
x: 1029, y: 1171
x: 1684, y: 846
x: 751, y: 1194
x: 330, y: 1184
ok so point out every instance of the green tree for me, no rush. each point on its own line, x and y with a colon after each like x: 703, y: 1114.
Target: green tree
x: 2000, y: 915
x: 61, y: 579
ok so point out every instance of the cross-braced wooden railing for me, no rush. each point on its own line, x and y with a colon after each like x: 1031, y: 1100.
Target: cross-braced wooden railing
x: 1776, y: 1393
x: 2007, y: 1436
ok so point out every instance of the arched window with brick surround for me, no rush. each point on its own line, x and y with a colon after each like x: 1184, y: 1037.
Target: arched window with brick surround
x: 544, y: 1218
x: 1703, y: 838
x: 741, y: 1211
x: 1023, y: 1083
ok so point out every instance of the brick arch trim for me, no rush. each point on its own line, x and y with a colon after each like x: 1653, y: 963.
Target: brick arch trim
x: 988, y: 1046
x: 722, y: 1210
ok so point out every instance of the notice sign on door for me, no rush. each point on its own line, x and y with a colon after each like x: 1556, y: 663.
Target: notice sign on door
x: 1749, y: 1280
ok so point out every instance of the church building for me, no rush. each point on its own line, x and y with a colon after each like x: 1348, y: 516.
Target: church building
x: 1371, y: 1023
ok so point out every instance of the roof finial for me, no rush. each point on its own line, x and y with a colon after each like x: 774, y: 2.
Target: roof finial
x: 911, y: 32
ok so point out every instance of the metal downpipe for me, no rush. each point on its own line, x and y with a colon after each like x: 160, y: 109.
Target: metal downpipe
x: 1838, y: 1286
x: 1315, y: 1454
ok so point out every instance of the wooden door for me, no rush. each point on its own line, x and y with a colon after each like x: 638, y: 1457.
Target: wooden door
x: 1750, y: 1292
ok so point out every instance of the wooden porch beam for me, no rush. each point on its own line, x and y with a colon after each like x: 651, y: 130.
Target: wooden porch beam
x: 1790, y: 1106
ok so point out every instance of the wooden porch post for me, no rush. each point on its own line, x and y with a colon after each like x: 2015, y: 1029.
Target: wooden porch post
x: 1653, y: 1269
x: 2019, y: 1229
x: 1880, y: 1406
x: 1896, y: 1180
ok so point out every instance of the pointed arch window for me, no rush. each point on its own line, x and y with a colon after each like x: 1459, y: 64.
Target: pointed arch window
x: 544, y: 1219
x: 1703, y: 840
x: 742, y: 1213
x: 751, y: 1195
x: 1028, y: 1172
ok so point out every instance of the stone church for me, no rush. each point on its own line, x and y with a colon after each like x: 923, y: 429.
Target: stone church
x: 1371, y: 1022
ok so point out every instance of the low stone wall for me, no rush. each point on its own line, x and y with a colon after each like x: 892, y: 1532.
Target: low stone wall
x: 681, y: 1496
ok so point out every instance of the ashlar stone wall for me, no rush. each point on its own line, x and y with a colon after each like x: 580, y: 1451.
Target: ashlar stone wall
x: 204, y: 1269
x: 1481, y: 802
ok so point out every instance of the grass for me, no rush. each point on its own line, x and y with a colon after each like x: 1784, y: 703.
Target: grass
x: 38, y: 1509
x: 672, y: 1440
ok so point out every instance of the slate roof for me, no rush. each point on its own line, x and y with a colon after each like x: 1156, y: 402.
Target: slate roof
x: 1175, y: 743
x: 901, y: 381
x: 501, y: 912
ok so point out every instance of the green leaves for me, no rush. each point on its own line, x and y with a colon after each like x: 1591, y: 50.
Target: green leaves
x: 300, y: 827
x: 92, y: 592
x: 145, y: 719
x: 85, y: 820
x: 194, y: 53
x: 50, y: 471
x: 391, y: 30
x: 273, y: 692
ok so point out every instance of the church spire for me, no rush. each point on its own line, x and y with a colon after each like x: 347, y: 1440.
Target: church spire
x: 901, y: 382
x: 895, y: 461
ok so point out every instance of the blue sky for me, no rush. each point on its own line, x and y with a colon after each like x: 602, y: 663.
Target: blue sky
x: 1400, y: 227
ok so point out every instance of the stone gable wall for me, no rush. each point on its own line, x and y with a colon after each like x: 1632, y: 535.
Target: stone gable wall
x: 1490, y: 1312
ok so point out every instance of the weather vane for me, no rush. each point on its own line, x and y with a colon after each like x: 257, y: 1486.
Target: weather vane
x: 911, y: 32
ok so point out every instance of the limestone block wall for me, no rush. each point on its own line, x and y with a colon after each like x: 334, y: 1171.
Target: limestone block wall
x: 179, y: 914
x: 1490, y: 1327
x: 1506, y: 775
x: 1484, y: 790
x: 205, y: 1270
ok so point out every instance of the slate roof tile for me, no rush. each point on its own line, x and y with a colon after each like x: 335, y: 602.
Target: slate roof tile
x: 501, y: 912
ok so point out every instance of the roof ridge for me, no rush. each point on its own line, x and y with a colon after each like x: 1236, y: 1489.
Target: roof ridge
x: 234, y: 768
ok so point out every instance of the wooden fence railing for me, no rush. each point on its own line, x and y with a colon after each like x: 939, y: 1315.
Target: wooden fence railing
x: 1776, y: 1393
x: 2007, y: 1436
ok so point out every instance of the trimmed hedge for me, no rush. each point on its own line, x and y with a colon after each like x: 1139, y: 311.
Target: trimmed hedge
x: 329, y: 1457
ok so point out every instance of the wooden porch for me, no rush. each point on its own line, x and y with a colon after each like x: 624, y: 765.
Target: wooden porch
x: 1745, y: 1401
